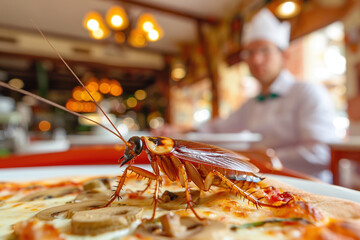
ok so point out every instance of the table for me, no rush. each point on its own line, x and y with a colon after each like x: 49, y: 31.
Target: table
x: 346, y: 149
x: 110, y: 154
x: 233, y: 141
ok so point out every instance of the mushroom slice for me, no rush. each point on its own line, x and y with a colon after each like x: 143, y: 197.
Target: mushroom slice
x: 95, y: 189
x: 174, y: 226
x: 50, y: 193
x: 104, y: 220
x: 93, y: 195
x: 68, y: 209
x: 97, y: 183
x: 177, y: 200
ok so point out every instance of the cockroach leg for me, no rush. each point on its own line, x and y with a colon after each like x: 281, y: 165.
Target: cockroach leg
x: 210, y: 177
x: 189, y: 202
x: 156, y: 196
x: 137, y: 170
x: 141, y: 192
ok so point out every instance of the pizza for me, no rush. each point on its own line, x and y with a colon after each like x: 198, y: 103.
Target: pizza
x: 74, y: 208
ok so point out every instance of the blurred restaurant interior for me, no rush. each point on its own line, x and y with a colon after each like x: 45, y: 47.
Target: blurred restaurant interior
x: 164, y: 62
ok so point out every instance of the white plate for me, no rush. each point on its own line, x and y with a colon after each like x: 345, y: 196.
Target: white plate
x: 38, y: 173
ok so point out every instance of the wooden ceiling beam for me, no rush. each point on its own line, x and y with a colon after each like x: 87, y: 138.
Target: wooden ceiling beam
x: 169, y: 11
x: 317, y: 17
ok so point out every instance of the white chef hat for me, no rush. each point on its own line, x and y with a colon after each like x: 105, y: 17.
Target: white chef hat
x: 265, y: 26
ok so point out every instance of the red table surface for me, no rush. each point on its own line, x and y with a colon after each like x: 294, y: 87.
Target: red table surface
x: 107, y: 154
x: 98, y: 155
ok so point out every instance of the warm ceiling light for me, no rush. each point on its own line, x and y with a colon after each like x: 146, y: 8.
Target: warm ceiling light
x: 288, y: 8
x: 98, y: 34
x: 116, y: 18
x: 120, y: 37
x: 137, y: 38
x: 93, y: 25
x: 146, y: 22
x: 145, y: 30
x: 117, y: 21
x: 92, y: 21
x: 147, y: 26
x: 153, y: 35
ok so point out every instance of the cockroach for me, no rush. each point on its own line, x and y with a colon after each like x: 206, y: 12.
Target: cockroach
x: 180, y: 160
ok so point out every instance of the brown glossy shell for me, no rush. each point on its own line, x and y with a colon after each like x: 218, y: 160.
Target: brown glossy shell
x: 159, y: 145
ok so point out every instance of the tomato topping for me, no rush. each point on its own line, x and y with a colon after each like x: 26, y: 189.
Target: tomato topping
x: 34, y: 230
x: 274, y: 195
x: 134, y: 195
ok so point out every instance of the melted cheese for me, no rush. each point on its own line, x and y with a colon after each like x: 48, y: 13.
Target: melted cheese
x: 216, y: 204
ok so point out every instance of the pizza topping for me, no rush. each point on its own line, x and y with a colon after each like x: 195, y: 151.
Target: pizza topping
x: 274, y: 220
x: 104, y: 219
x: 277, y: 198
x: 92, y: 195
x: 49, y: 193
x: 299, y: 209
x: 68, y: 209
x: 35, y: 230
x: 95, y: 189
x: 173, y: 226
x: 98, y: 183
x: 175, y: 200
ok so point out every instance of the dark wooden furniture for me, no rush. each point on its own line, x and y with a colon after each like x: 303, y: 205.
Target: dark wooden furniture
x: 347, y: 149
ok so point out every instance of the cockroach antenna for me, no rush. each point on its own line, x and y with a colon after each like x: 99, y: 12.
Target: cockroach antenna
x: 5, y: 85
x: 81, y: 83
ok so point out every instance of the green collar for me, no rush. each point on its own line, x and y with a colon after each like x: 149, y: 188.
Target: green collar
x: 263, y: 97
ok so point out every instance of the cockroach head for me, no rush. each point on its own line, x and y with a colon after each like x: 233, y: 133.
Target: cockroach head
x: 134, y: 148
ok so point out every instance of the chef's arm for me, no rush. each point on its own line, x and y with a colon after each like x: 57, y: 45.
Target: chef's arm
x: 312, y: 152
x: 315, y: 128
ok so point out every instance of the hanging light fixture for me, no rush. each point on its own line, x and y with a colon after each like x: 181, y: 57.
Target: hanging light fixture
x: 286, y: 9
x: 116, y: 18
x: 146, y: 29
x: 95, y: 24
x: 150, y: 27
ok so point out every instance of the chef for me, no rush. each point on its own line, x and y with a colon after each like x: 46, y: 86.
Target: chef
x: 295, y: 118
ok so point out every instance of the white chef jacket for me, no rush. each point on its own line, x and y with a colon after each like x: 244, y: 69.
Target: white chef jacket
x: 297, y: 124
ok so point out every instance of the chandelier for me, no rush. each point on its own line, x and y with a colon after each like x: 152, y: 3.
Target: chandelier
x: 119, y: 26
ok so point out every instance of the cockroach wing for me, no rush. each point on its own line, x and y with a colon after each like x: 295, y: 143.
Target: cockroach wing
x: 202, y: 153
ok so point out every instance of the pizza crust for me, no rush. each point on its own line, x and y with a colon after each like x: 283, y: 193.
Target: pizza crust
x: 330, y: 206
